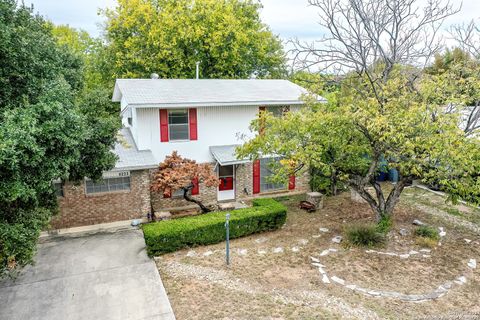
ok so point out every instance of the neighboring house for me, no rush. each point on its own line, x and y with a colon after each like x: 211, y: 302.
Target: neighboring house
x: 203, y: 120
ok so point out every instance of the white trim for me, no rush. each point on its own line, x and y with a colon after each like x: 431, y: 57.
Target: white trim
x: 217, y: 104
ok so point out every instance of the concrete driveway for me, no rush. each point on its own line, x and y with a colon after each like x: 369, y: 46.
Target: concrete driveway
x: 101, y: 276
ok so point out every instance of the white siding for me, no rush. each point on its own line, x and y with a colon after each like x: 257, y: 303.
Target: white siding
x: 216, y: 126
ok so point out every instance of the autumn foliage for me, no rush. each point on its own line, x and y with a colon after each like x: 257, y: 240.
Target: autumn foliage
x: 177, y: 173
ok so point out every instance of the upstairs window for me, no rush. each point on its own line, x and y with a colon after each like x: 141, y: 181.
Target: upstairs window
x: 278, y: 111
x: 178, y: 125
x: 108, y: 185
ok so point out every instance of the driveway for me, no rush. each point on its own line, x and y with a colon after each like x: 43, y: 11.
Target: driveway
x: 100, y: 276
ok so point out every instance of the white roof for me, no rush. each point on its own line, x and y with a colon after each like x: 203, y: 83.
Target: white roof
x: 226, y: 155
x: 129, y: 157
x: 171, y: 93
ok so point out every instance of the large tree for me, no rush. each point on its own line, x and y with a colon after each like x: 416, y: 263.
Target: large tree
x: 384, y: 111
x: 44, y: 134
x: 168, y: 38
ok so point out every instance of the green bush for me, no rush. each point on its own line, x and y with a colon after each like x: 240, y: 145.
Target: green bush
x: 364, y: 235
x: 18, y: 240
x: 168, y: 236
x: 385, y: 224
x: 427, y: 232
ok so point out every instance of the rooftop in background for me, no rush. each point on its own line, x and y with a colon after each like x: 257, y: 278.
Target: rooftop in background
x: 129, y: 157
x: 180, y: 93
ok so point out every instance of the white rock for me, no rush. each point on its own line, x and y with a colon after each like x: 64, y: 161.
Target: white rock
x: 442, y: 233
x: 373, y: 293
x: 461, y: 280
x: 261, y: 251
x: 425, y: 250
x: 418, y: 222
x: 363, y: 290
x: 261, y: 240
x: 323, y: 230
x: 320, y: 269
x: 295, y: 249
x: 316, y: 236
x: 191, y: 253
x: 319, y: 265
x: 338, y: 280
x: 351, y: 286
x: 278, y: 250
x: 242, y: 252
x: 370, y: 251
x: 393, y: 254
x: 337, y: 239
x: 412, y: 252
x: 467, y: 240
x: 324, y: 252
x: 325, y: 279
x: 332, y: 250
x: 314, y: 259
x: 208, y: 253
x: 472, y: 263
x: 426, y: 255
x: 404, y: 256
x: 303, y: 241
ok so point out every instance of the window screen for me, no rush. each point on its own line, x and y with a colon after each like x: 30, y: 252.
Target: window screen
x: 58, y: 188
x: 108, y: 185
x: 278, y: 111
x: 179, y: 193
x: 265, y: 175
x: 178, y: 125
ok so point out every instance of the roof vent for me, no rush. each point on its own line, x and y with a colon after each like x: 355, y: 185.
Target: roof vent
x: 154, y: 76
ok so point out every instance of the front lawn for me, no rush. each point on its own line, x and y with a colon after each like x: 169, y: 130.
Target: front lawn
x: 280, y: 274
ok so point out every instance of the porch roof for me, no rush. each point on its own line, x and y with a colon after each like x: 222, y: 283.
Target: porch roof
x: 226, y: 155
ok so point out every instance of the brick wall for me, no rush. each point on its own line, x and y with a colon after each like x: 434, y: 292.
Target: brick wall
x: 79, y: 209
x: 244, y: 182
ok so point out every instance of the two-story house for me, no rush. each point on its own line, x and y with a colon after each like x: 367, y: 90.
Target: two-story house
x: 203, y: 120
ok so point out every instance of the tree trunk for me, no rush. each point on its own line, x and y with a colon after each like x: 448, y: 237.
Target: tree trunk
x: 333, y: 181
x: 380, y: 206
x: 187, y: 197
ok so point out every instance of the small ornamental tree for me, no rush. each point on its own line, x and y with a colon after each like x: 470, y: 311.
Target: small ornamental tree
x: 177, y: 173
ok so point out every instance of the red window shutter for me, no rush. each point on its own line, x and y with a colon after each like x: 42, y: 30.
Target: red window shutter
x: 163, y: 125
x: 196, y: 187
x: 193, y: 123
x: 291, y: 183
x: 256, y: 176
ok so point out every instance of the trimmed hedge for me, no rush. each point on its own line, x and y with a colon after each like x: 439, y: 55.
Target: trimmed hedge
x: 168, y: 236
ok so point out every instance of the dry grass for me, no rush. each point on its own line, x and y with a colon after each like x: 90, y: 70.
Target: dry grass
x: 286, y: 286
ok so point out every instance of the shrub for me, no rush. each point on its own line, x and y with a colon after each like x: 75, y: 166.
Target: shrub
x: 364, y: 235
x: 168, y: 236
x: 426, y: 242
x: 427, y: 232
x: 385, y: 224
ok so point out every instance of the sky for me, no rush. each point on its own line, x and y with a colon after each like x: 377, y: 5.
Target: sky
x: 286, y: 18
